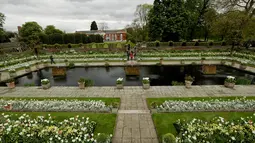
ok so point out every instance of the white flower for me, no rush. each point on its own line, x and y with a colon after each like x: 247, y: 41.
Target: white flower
x: 230, y: 77
x: 120, y: 79
x: 233, y: 138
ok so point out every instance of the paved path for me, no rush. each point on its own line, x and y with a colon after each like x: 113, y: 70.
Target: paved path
x: 134, y: 122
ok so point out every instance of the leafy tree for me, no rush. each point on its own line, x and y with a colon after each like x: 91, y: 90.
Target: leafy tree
x: 78, y: 38
x: 93, y: 26
x: 30, y: 28
x: 50, y: 29
x: 103, y: 26
x: 56, y: 38
x: 155, y: 19
x: 2, y: 32
x: 69, y: 38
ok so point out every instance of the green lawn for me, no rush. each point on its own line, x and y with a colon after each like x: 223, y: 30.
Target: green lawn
x: 164, y: 121
x: 105, y: 122
x: 107, y: 101
x: 159, y: 101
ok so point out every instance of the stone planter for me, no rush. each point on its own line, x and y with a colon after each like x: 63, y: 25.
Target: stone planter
x: 243, y: 67
x: 146, y: 86
x: 46, y: 86
x: 154, y: 110
x: 11, y: 85
x: 229, y: 85
x: 115, y: 110
x: 188, y: 84
x: 81, y: 85
x: 119, y: 86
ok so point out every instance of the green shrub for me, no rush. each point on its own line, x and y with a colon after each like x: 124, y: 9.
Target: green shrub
x: 119, y: 45
x: 151, y: 44
x: 106, y: 45
x: 157, y: 43
x: 100, y: 45
x: 176, y: 83
x: 81, y: 80
x: 165, y: 44
x: 211, y: 43
x: 94, y: 45
x: 153, y: 105
x: 177, y: 43
x: 169, y: 138
x: 170, y: 43
x: 103, y: 138
x: 89, y: 83
x: 80, y: 44
x: 196, y: 43
x: 71, y: 65
x: 184, y: 43
x: 243, y: 81
x: 223, y: 43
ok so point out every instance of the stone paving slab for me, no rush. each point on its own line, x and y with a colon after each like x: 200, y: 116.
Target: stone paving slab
x: 133, y: 111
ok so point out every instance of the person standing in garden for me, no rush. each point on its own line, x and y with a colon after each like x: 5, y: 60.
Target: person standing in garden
x: 52, y: 60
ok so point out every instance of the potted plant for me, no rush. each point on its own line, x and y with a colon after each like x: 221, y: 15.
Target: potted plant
x: 27, y: 68
x: 115, y: 107
x: 45, y: 83
x: 146, y: 83
x: 10, y: 83
x: 202, y: 60
x: 188, y: 81
x: 81, y: 83
x: 119, y: 83
x: 12, y: 72
x: 230, y: 82
x: 154, y: 107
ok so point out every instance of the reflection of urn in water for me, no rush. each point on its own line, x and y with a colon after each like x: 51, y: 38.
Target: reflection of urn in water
x: 132, y: 71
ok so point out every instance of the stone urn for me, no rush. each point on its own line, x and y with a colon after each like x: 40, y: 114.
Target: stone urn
x: 229, y: 84
x: 146, y: 86
x: 119, y: 86
x: 81, y: 85
x: 188, y: 83
x: 46, y: 86
x: 11, y: 85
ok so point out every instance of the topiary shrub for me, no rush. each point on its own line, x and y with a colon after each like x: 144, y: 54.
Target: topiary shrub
x: 80, y: 44
x: 69, y: 45
x: 103, y: 138
x: 169, y: 138
x: 157, y: 43
x: 211, y: 43
x: 170, y: 43
x: 196, y: 43
x: 71, y: 65
x: 184, y: 43
x: 106, y: 45
x: 94, y: 45
x: 89, y: 83
x: 223, y: 43
x: 119, y: 45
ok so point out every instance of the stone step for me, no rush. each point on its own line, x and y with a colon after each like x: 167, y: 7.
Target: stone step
x: 134, y: 112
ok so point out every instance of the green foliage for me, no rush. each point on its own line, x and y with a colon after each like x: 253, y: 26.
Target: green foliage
x: 106, y: 45
x: 81, y: 80
x: 94, y: 45
x: 176, y: 83
x: 71, y: 65
x: 189, y: 78
x: 89, y: 83
x: 171, y: 43
x: 30, y: 28
x: 119, y: 45
x: 243, y: 81
x: 153, y: 105
x: 169, y: 138
x: 115, y: 104
x: 93, y: 26
x: 103, y: 138
x: 29, y: 84
x: 50, y: 29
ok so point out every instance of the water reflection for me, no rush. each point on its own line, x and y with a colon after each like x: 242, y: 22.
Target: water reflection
x: 159, y: 76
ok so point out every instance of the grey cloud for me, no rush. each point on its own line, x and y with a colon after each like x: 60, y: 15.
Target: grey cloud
x: 69, y: 15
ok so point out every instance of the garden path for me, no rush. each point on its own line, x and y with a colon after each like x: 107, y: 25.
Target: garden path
x: 134, y: 123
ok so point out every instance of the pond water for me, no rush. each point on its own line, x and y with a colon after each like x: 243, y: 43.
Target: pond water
x: 159, y: 76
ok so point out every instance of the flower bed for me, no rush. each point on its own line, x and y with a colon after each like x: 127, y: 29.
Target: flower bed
x: 55, y: 105
x: 210, y: 105
x: 45, y: 129
x: 216, y: 130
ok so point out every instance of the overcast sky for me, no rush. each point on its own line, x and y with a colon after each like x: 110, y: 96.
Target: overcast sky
x: 69, y: 15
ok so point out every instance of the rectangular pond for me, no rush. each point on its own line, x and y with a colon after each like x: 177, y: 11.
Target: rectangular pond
x: 159, y: 76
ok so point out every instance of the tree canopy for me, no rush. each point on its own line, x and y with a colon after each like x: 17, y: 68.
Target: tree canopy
x: 93, y: 26
x: 50, y: 29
